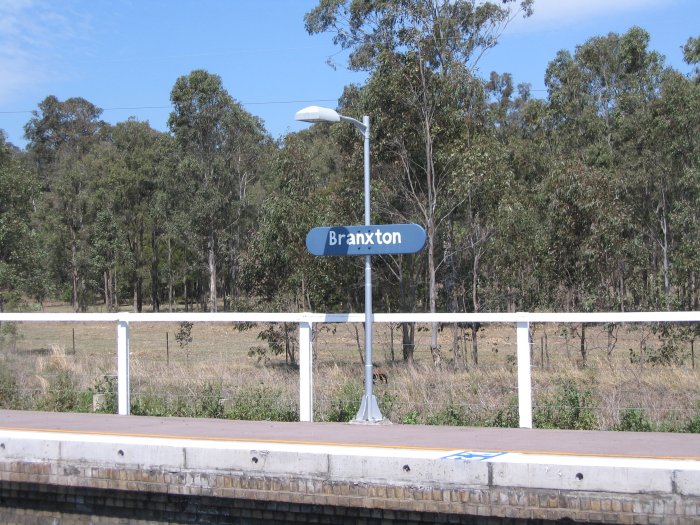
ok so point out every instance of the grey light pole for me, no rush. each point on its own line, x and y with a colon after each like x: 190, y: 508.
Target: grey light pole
x: 369, y: 409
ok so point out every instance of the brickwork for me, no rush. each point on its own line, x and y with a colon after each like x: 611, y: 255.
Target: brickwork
x: 185, y: 496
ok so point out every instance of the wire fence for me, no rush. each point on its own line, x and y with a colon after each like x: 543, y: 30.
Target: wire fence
x: 593, y: 375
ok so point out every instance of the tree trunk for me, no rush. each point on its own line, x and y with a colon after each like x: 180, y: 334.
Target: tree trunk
x: 138, y: 294
x: 155, y: 278
x: 211, y: 246
x: 74, y: 273
x: 170, y: 275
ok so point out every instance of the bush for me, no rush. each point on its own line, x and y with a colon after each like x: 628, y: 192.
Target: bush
x: 261, y: 404
x: 153, y: 405
x: 693, y: 424
x: 8, y: 389
x: 62, y: 395
x: 634, y: 420
x: 568, y: 408
x: 451, y: 415
x: 345, y: 403
x: 508, y: 417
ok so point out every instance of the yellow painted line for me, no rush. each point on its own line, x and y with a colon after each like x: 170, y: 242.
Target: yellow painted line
x: 340, y: 444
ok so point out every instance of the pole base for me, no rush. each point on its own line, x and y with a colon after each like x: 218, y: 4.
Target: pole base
x: 369, y: 411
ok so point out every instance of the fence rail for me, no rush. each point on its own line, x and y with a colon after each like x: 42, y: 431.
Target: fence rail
x: 520, y: 320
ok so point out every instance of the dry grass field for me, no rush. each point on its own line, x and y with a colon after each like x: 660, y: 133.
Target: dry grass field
x: 227, y: 370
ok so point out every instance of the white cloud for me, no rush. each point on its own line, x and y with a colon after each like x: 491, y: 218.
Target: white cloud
x: 550, y: 14
x: 32, y: 34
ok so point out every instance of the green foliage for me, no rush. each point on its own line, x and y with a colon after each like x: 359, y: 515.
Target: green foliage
x: 345, y: 403
x: 567, y: 408
x: 280, y: 339
x: 205, y: 402
x: 634, y: 420
x: 254, y: 403
x: 183, y: 336
x: 9, y: 393
x: 411, y: 418
x: 209, y: 403
x: 20, y: 250
x: 507, y: 417
x: 62, y: 395
x: 693, y: 423
x: 8, y: 335
x: 261, y: 403
x: 451, y: 414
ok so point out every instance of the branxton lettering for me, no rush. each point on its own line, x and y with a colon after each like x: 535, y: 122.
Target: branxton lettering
x: 372, y: 237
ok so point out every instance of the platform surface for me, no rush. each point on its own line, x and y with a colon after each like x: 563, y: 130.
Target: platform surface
x: 652, y: 445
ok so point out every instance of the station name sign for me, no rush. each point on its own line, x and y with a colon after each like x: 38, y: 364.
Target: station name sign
x: 366, y: 240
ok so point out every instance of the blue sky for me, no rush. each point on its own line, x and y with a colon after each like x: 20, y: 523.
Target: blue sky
x: 124, y: 56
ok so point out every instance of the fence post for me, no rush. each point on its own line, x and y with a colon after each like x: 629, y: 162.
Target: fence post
x: 123, y: 383
x: 306, y: 403
x: 524, y: 373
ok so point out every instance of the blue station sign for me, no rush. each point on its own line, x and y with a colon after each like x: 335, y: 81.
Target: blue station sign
x: 366, y: 240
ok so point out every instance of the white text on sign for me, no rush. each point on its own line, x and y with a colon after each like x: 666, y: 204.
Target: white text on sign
x: 377, y: 236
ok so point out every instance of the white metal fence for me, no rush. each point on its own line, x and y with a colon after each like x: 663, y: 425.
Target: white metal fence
x: 520, y: 321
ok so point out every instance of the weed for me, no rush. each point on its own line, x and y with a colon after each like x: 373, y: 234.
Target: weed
x: 634, y: 420
x: 569, y: 408
x: 261, y: 404
x: 451, y: 415
x: 208, y: 402
x: 8, y: 389
x: 693, y: 424
x: 61, y: 395
x: 507, y: 417
x: 411, y: 418
x: 345, y: 403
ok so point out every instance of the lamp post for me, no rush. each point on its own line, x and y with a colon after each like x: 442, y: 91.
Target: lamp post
x: 369, y: 409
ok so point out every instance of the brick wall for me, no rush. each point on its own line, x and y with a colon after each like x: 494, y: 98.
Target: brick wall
x: 34, y: 491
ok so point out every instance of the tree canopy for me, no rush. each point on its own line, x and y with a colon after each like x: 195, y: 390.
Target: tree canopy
x: 585, y: 199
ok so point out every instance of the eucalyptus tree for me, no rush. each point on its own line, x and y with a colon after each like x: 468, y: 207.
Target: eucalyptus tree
x: 21, y: 256
x: 309, y: 187
x: 218, y: 142
x: 61, y: 135
x: 132, y: 168
x: 596, y: 100
x: 666, y: 162
x: 691, y: 55
x: 427, y: 50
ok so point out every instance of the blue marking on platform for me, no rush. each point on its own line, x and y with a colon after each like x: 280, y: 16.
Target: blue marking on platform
x: 470, y: 455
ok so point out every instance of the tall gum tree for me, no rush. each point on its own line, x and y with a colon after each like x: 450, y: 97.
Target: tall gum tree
x: 216, y: 140
x: 434, y: 45
x: 61, y: 135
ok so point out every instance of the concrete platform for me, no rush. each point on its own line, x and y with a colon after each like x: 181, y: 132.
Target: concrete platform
x: 525, y: 474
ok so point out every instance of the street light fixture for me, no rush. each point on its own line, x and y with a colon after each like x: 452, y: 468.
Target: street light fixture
x: 369, y: 409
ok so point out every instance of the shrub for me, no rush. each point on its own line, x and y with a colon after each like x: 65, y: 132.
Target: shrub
x: 693, y: 424
x: 568, y: 408
x: 261, y: 404
x: 208, y: 402
x: 62, y: 395
x: 634, y: 420
x: 411, y: 418
x: 345, y: 403
x: 507, y: 417
x: 9, y: 393
x: 451, y: 415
